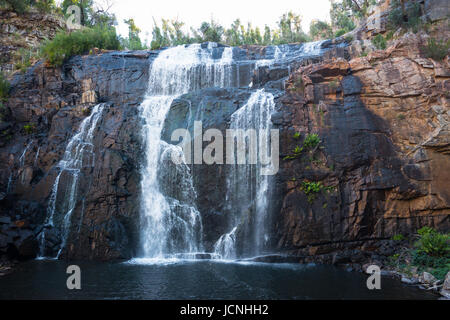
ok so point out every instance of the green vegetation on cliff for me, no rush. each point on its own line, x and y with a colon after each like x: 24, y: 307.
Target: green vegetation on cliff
x: 21, y: 6
x: 430, y: 253
x: 66, y: 45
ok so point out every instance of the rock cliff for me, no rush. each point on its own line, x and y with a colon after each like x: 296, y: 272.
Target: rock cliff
x: 381, y: 165
x: 383, y: 124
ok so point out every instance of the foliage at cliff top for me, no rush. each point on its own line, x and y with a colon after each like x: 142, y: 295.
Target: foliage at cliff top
x: 99, y: 29
x: 66, y: 45
x: 22, y: 6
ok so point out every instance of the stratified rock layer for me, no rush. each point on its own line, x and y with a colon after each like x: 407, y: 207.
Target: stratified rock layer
x: 383, y: 125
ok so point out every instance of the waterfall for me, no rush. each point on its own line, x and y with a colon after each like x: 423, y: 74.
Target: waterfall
x: 247, y: 188
x: 170, y: 222
x: 79, y: 154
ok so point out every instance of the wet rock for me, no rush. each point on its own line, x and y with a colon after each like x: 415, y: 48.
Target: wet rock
x: 428, y: 279
x: 445, y: 291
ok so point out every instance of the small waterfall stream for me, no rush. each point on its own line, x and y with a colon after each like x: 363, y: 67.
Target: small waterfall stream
x: 247, y: 186
x: 79, y: 154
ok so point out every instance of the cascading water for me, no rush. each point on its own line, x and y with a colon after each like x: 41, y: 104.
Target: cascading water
x: 79, y: 154
x: 171, y: 224
x: 247, y: 186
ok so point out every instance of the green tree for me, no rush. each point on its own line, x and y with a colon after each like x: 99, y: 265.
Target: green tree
x: 233, y: 36
x: 341, y: 18
x: 320, y: 30
x: 209, y: 31
x: 134, y: 41
x: 291, y: 29
x: 267, y: 38
x: 19, y: 6
x: 86, y: 9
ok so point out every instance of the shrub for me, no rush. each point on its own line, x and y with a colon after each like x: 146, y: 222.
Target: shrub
x: 19, y: 6
x: 296, y: 135
x: 4, y: 88
x: 25, y: 59
x: 436, y: 50
x: 396, y: 18
x: 379, y: 42
x: 45, y: 5
x: 29, y: 128
x: 311, y: 189
x: 398, y: 237
x: 311, y: 140
x: 340, y: 32
x: 432, y: 242
x: 66, y: 45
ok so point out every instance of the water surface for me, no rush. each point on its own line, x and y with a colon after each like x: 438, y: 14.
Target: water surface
x: 209, y: 279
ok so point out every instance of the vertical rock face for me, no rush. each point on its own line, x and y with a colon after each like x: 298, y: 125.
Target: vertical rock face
x: 24, y: 32
x: 383, y: 125
x: 47, y: 106
x: 381, y: 167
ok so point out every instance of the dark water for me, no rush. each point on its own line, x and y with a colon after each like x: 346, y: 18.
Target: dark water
x: 197, y: 280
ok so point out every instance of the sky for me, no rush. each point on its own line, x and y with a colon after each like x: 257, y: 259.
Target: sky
x: 193, y: 12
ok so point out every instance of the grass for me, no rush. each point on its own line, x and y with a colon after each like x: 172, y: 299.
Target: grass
x: 436, y: 50
x: 379, y: 42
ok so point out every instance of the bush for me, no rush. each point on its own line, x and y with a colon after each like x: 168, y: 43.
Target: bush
x: 340, y: 32
x: 66, y: 45
x: 45, y: 5
x: 379, y: 42
x: 398, y: 237
x: 4, y: 88
x: 396, y: 18
x: 29, y: 128
x: 311, y: 189
x: 19, y: 6
x: 311, y: 140
x: 432, y: 242
x: 436, y: 50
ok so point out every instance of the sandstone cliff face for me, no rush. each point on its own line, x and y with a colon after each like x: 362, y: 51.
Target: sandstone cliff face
x: 25, y: 32
x: 382, y: 121
x: 52, y: 103
x: 383, y: 125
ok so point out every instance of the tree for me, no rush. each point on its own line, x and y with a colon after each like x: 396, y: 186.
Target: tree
x: 291, y: 29
x: 85, y: 9
x: 19, y: 6
x: 209, y: 31
x: 233, y: 36
x: 359, y: 8
x: 267, y: 39
x: 134, y: 41
x: 341, y: 18
x: 320, y: 30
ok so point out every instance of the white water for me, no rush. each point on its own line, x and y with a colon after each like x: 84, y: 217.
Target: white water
x: 247, y: 189
x: 170, y: 222
x: 79, y: 154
